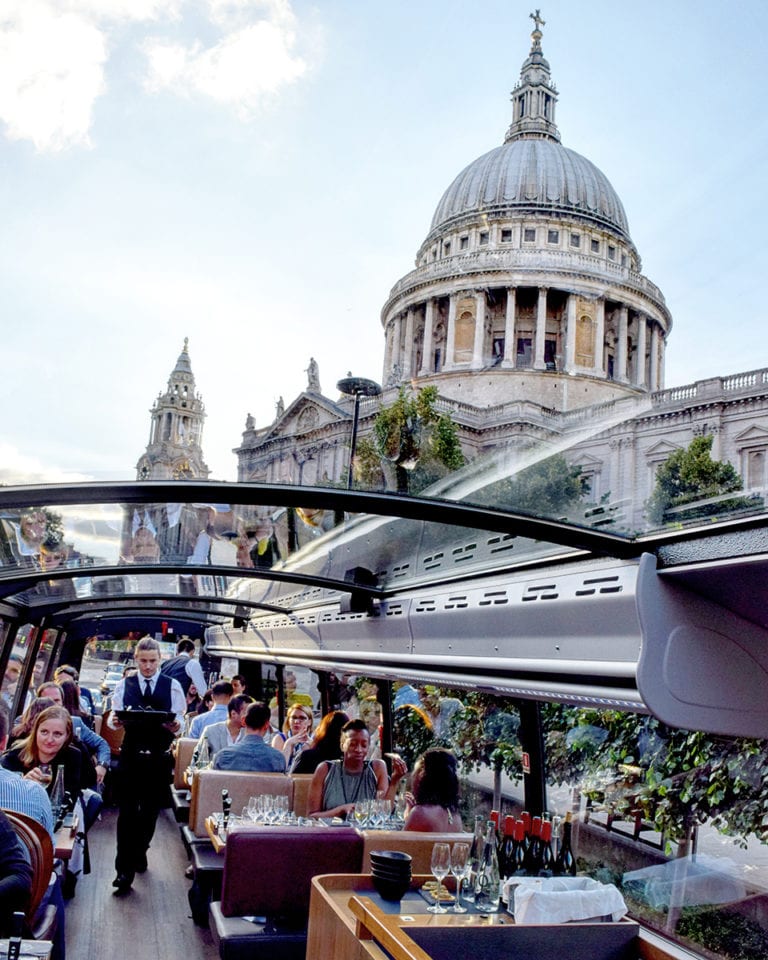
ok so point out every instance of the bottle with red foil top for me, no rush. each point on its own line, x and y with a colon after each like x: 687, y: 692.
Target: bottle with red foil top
x: 547, y: 856
x: 518, y: 868
x: 533, y: 853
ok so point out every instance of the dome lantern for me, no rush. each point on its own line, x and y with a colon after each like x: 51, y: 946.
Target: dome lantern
x: 534, y: 96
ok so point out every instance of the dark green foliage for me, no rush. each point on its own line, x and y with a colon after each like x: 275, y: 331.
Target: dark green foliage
x: 682, y: 776
x: 549, y: 488
x: 410, y: 440
x: 691, y: 475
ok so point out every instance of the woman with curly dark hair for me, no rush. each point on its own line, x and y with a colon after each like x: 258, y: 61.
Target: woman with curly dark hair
x: 434, y: 793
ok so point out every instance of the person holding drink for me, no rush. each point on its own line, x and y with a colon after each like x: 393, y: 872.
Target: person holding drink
x: 337, y: 785
x: 46, y: 749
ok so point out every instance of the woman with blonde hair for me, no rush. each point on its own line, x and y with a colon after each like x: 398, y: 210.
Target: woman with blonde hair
x: 46, y: 748
x: 296, y: 733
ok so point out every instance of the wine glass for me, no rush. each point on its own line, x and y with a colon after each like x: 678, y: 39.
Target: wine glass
x: 459, y: 869
x: 45, y: 774
x: 441, y: 865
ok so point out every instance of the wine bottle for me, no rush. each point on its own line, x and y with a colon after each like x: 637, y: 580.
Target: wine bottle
x: 533, y: 853
x: 475, y: 856
x: 519, y: 868
x: 547, y: 857
x: 487, y: 883
x: 566, y: 861
x: 507, y: 864
x: 57, y: 795
x: 498, y: 837
x: 226, y: 807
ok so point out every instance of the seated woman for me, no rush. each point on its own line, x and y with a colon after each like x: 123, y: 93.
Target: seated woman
x: 296, y: 733
x: 337, y: 785
x: 49, y: 743
x: 435, y: 793
x: 325, y: 745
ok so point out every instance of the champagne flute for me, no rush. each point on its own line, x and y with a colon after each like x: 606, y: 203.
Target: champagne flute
x: 459, y: 869
x: 441, y: 865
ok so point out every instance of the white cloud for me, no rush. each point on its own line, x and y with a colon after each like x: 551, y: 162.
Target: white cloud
x: 53, y: 55
x: 249, y: 64
x: 51, y: 72
x: 18, y: 468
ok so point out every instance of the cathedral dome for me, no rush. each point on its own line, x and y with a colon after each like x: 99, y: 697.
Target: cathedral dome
x: 531, y: 175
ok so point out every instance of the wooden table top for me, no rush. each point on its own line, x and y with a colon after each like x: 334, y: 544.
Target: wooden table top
x: 64, y: 840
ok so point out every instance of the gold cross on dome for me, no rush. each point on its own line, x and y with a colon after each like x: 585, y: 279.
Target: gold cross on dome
x: 536, y: 17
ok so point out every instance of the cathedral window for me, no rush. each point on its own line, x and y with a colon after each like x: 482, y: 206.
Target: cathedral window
x: 623, y: 259
x: 483, y: 236
x: 595, y: 247
x: 755, y: 469
x: 463, y: 243
x: 611, y: 252
x: 575, y: 240
x: 506, y: 235
x: 553, y: 236
x: 529, y: 235
x: 447, y: 248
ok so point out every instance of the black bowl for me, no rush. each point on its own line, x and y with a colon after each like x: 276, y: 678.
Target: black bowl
x: 384, y: 874
x: 389, y: 857
x: 391, y: 889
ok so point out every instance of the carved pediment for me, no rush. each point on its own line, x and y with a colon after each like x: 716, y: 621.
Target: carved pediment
x: 754, y: 436
x: 661, y: 449
x: 305, y: 415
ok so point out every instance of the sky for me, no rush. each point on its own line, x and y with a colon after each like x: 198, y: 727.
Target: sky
x: 256, y: 175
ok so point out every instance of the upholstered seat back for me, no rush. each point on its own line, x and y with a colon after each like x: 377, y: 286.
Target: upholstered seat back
x: 183, y: 749
x: 208, y: 784
x: 417, y: 844
x: 268, y: 870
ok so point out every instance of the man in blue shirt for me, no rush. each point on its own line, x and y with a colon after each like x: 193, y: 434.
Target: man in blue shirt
x: 252, y: 753
x: 222, y: 693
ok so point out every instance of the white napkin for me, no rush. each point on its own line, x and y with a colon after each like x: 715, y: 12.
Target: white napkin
x: 566, y: 899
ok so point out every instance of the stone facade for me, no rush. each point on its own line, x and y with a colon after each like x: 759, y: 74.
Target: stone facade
x: 528, y: 310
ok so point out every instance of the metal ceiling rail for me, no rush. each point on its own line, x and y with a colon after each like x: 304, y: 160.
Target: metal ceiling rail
x: 348, y: 501
x: 19, y: 581
x: 55, y: 605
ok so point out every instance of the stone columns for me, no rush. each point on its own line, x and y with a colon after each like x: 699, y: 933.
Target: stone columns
x: 427, y: 358
x: 541, y: 329
x: 479, y: 342
x: 654, y: 384
x: 621, y: 344
x: 642, y: 341
x: 394, y: 360
x: 510, y: 346
x: 450, y: 338
x: 570, y: 334
x: 600, y: 339
x: 408, y: 351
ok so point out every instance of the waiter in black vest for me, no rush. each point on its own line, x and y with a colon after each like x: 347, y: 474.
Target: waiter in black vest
x: 145, y: 764
x: 185, y: 668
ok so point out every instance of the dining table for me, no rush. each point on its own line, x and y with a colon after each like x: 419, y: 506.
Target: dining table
x: 64, y: 839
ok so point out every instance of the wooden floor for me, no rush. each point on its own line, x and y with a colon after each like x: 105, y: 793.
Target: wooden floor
x: 152, y: 921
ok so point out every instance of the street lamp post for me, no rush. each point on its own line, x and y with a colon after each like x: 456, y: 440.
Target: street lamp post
x: 356, y: 387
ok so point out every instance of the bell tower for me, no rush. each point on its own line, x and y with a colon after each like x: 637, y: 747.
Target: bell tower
x: 174, y: 450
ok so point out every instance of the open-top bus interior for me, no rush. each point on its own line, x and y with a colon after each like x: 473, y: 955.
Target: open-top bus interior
x: 568, y: 622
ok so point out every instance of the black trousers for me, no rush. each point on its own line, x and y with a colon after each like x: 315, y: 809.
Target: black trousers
x: 143, y: 785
